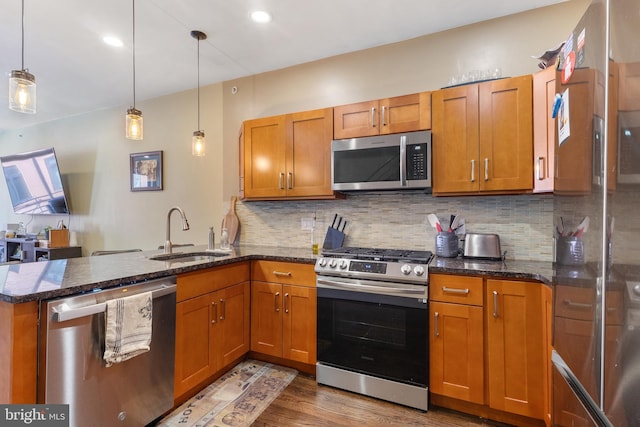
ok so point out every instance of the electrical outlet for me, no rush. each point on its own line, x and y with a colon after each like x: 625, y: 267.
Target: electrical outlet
x: 306, y: 224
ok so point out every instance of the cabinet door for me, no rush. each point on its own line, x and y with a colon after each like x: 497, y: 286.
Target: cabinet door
x: 194, y: 360
x: 308, y: 157
x: 544, y: 129
x: 455, y: 140
x: 406, y: 113
x: 456, y: 363
x: 506, y: 135
x: 515, y: 349
x: 231, y: 331
x: 264, y: 157
x: 299, y: 324
x: 266, y: 318
x: 355, y: 120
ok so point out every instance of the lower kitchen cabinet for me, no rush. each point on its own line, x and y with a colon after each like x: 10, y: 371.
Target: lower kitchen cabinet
x: 456, y: 337
x: 212, y: 323
x: 487, y: 347
x: 283, y: 311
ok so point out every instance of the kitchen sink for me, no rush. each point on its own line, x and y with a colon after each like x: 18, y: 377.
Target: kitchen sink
x: 189, y: 256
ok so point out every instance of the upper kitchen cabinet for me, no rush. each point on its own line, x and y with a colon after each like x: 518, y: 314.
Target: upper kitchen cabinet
x: 483, y: 138
x: 579, y: 160
x: 287, y: 156
x: 391, y: 115
x: 544, y: 129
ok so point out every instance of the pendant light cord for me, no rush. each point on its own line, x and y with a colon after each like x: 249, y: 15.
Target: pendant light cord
x: 22, y: 35
x: 134, y: 53
x: 198, y: 83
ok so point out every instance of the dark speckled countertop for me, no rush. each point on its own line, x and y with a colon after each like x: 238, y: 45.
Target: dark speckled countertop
x: 52, y: 279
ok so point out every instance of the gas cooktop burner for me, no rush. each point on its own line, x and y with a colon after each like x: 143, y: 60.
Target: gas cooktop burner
x: 392, y: 255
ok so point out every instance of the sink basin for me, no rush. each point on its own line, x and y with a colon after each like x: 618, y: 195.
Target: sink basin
x: 189, y: 256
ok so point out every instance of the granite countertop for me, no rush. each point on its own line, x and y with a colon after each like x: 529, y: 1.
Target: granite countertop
x: 37, y: 281
x: 52, y: 279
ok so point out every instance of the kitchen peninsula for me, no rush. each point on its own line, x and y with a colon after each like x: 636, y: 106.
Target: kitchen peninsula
x: 23, y: 286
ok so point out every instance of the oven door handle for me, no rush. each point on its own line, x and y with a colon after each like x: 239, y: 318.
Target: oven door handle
x: 372, y: 287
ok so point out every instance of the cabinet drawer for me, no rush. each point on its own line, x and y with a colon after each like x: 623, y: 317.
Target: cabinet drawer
x: 283, y: 272
x: 578, y: 303
x: 201, y: 282
x: 456, y: 289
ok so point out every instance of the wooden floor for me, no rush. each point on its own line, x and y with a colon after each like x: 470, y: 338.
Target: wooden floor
x: 305, y: 403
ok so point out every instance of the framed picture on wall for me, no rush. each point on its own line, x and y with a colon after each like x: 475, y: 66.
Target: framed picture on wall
x: 146, y: 171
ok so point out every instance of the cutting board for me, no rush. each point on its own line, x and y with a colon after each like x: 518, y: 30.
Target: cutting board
x: 231, y: 221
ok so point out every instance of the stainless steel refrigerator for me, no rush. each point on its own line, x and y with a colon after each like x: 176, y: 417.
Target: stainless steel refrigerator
x: 596, y: 312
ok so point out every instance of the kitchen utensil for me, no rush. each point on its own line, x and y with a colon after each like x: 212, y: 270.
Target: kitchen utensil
x: 452, y: 218
x: 582, y: 227
x: 335, y: 237
x: 481, y: 245
x: 231, y: 221
x: 435, y: 222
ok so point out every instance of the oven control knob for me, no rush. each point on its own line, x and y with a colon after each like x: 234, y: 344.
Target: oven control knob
x: 333, y: 263
x: 343, y: 264
x: 322, y: 262
x: 406, y: 269
x: 419, y: 270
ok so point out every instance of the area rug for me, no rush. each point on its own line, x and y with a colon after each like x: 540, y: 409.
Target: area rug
x: 235, y: 399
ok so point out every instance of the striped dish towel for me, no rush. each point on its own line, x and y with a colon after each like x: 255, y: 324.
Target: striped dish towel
x: 128, y: 327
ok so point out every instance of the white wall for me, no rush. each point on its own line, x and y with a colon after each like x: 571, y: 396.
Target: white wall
x: 94, y: 155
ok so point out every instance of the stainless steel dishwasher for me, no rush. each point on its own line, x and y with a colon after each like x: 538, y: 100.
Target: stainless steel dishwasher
x: 71, y: 366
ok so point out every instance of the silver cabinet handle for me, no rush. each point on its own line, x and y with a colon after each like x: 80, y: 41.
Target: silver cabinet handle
x: 473, y: 171
x: 486, y: 169
x: 276, y: 298
x: 286, y: 298
x: 383, y: 119
x: 455, y: 291
x: 214, y: 318
x: 281, y: 180
x: 403, y: 160
x: 495, y: 304
x: 223, y: 309
x: 290, y: 180
x: 282, y: 273
x: 373, y: 117
x: 572, y: 304
x: 436, y: 316
x: 540, y: 171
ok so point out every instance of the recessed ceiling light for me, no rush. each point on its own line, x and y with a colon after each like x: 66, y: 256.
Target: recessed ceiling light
x: 261, y: 16
x: 112, y: 41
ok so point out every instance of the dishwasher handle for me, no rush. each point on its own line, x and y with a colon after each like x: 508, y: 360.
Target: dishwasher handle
x: 62, y: 313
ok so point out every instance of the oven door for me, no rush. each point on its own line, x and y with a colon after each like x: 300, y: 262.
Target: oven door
x: 373, y: 328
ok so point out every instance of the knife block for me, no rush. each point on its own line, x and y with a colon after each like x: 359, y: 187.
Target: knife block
x: 58, y: 238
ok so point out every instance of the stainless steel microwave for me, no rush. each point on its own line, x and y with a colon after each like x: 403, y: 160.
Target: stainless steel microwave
x: 629, y: 147
x: 384, y: 162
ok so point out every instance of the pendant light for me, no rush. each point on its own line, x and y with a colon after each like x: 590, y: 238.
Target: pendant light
x: 22, y: 85
x: 133, y: 122
x: 198, y: 143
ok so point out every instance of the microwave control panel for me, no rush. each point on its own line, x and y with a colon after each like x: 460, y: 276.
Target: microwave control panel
x: 417, y: 161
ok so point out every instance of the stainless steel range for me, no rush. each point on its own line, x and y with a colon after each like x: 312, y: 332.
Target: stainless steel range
x: 372, y: 323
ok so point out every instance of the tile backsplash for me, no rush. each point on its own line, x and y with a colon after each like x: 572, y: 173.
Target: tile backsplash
x: 398, y: 220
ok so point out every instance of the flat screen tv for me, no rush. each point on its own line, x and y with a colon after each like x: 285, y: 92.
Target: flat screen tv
x: 34, y: 183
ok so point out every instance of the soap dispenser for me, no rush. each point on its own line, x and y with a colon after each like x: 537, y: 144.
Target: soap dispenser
x: 224, y: 239
x: 212, y: 239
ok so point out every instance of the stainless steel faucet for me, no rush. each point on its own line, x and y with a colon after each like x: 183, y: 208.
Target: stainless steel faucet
x: 185, y: 227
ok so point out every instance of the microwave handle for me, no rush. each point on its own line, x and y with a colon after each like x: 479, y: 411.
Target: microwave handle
x: 403, y: 160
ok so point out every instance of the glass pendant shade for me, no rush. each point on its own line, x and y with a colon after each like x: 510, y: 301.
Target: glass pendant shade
x: 198, y: 144
x: 134, y: 126
x: 22, y: 92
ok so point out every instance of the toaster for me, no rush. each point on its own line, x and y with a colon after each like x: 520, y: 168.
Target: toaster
x: 481, y: 245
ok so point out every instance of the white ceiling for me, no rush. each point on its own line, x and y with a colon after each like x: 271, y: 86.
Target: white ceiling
x: 77, y: 73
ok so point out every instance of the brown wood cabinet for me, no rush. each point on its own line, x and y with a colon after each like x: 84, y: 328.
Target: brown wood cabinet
x: 288, y: 156
x: 391, y: 115
x: 544, y: 129
x: 283, y: 311
x: 212, y: 323
x: 487, y: 347
x: 456, y: 339
x: 515, y: 351
x: 483, y: 138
